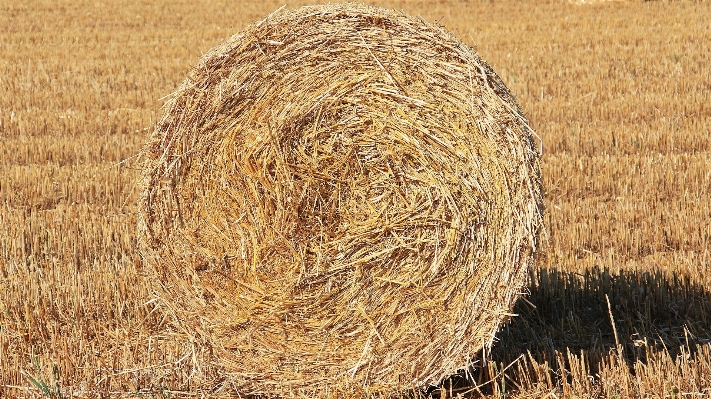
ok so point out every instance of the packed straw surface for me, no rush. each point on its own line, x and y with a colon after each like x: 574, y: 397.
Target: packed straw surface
x: 341, y: 200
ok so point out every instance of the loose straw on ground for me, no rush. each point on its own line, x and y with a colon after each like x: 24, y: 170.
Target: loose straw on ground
x: 343, y: 200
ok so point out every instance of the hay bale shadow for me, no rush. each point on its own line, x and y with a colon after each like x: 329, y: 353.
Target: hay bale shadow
x: 568, y: 313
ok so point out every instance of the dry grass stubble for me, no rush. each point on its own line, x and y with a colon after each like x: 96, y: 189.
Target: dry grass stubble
x: 617, y: 90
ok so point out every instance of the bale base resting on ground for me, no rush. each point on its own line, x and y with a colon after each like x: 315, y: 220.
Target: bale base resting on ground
x: 342, y: 200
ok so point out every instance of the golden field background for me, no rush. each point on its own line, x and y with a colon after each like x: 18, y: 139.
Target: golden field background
x: 620, y: 93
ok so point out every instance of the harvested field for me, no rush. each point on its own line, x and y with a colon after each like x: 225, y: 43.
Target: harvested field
x: 618, y: 91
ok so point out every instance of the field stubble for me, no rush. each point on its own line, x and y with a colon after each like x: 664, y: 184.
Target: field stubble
x: 617, y: 90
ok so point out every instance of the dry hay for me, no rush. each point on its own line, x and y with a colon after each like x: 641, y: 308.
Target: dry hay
x: 342, y: 200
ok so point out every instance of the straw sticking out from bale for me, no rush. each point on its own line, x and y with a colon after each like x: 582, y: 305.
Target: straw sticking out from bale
x: 342, y: 199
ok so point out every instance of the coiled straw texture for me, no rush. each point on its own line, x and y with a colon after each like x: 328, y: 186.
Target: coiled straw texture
x: 343, y: 200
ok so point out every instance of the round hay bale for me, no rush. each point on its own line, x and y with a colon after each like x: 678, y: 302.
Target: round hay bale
x: 341, y: 199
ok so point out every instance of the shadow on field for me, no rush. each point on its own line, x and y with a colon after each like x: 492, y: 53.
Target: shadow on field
x: 569, y: 311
